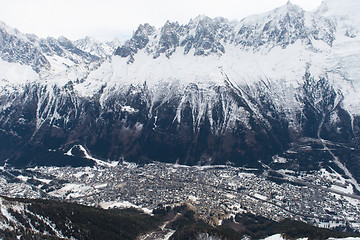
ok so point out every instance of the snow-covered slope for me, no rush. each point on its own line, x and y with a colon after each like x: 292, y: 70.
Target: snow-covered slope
x: 14, y: 74
x: 43, y: 55
x: 210, y: 91
x: 341, y: 63
x: 344, y: 10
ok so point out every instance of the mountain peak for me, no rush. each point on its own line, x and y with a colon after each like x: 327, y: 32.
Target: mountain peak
x: 290, y: 4
x: 201, y: 17
x: 200, y: 20
x: 145, y: 29
x: 289, y: 7
x: 95, y: 47
x: 89, y: 39
x: 63, y: 39
x: 8, y: 29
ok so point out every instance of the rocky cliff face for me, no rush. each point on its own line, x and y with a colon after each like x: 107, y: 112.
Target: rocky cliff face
x: 212, y: 91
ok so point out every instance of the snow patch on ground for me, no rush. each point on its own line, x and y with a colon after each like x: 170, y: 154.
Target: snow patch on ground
x: 23, y: 178
x: 275, y: 237
x: 193, y: 199
x: 277, y: 159
x: 72, y: 190
x: 43, y: 180
x: 123, y: 204
x: 117, y: 204
x: 129, y: 109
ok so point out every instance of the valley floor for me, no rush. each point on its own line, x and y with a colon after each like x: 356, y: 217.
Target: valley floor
x: 216, y: 193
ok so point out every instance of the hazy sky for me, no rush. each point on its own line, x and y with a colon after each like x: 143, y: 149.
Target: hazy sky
x: 107, y: 19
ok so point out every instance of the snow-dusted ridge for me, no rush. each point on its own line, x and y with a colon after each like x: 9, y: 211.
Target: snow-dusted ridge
x: 88, y: 156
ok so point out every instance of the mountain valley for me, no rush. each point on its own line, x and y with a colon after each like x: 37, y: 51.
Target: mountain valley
x: 259, y: 115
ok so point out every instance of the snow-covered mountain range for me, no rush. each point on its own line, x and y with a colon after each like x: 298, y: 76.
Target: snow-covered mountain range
x: 96, y: 48
x: 212, y: 91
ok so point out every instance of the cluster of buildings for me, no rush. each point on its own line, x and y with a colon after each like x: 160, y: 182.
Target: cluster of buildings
x: 215, y: 193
